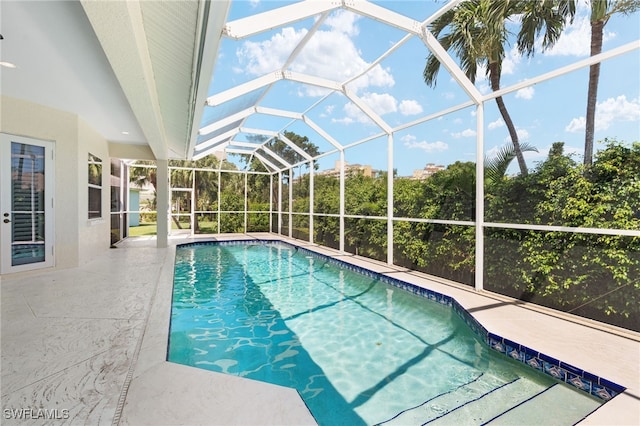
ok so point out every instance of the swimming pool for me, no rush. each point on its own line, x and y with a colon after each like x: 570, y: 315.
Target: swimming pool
x: 359, y: 350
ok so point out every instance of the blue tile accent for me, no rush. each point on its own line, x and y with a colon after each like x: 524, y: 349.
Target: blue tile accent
x: 590, y: 377
x: 529, y: 351
x: 514, y: 351
x: 610, y: 385
x: 585, y: 381
x: 550, y: 360
x: 602, y: 392
x: 554, y: 371
x: 534, y: 362
x: 572, y: 369
x: 579, y: 382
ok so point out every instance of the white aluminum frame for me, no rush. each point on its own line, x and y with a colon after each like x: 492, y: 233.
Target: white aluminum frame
x: 246, y: 27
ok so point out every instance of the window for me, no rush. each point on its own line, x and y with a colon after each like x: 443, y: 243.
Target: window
x: 95, y: 187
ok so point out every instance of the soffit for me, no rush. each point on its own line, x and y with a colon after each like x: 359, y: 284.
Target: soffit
x: 171, y: 30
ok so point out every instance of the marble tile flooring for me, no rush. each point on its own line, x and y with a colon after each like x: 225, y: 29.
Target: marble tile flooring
x: 87, y: 345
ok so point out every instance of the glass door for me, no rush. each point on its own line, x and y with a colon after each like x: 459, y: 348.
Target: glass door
x: 26, y: 203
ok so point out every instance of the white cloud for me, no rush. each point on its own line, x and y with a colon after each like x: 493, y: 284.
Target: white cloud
x: 377, y: 76
x: 380, y: 103
x: 576, y: 125
x: 259, y: 58
x: 343, y: 21
x: 330, y: 54
x: 608, y: 112
x: 410, y: 107
x: 525, y: 93
x: 328, y: 110
x: 523, y: 135
x: 468, y: 133
x: 344, y: 120
x: 353, y: 115
x: 483, y: 86
x: 576, y: 39
x: 495, y: 124
x: 510, y: 62
x: 616, y: 109
x: 411, y: 143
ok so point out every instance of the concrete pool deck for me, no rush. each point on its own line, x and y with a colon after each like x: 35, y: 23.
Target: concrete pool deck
x: 87, y: 345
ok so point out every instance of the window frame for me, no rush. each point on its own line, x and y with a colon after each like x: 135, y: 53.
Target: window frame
x: 94, y: 198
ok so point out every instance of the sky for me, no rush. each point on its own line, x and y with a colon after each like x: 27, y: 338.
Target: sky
x: 347, y: 43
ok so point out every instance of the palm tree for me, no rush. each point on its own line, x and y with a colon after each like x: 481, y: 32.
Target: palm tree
x: 478, y: 35
x: 601, y: 11
x: 495, y: 168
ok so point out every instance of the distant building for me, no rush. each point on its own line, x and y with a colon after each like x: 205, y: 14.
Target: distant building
x: 428, y: 170
x: 349, y: 169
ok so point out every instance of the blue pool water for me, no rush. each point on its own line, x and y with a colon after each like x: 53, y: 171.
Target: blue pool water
x: 357, y: 350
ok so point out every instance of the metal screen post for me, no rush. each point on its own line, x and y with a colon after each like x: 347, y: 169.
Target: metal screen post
x: 193, y: 204
x: 311, y: 200
x: 291, y: 203
x: 390, y: 199
x: 246, y: 205
x: 271, y: 202
x: 480, y: 197
x: 219, y: 192
x: 342, y: 200
x: 280, y: 203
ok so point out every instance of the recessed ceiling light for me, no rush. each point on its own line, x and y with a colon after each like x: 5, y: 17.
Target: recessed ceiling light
x: 125, y: 133
x: 8, y: 65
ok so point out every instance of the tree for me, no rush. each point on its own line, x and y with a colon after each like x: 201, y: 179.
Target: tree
x: 180, y: 177
x: 287, y: 153
x: 601, y: 12
x: 495, y: 168
x: 477, y: 33
x: 588, y: 274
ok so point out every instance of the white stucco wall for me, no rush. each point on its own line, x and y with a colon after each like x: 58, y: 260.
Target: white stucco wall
x: 77, y: 239
x: 94, y: 233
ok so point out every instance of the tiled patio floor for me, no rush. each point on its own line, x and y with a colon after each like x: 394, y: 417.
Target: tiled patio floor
x: 88, y: 345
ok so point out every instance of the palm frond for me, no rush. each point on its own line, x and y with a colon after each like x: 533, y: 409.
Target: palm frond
x: 496, y: 167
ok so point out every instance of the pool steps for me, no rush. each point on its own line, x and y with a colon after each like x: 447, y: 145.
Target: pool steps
x: 489, y: 400
x: 536, y: 410
x: 584, y: 381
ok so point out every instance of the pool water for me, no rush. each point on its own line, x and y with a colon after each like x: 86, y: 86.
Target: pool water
x: 357, y: 350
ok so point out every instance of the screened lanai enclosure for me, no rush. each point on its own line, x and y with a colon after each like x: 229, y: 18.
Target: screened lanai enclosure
x: 446, y: 138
